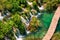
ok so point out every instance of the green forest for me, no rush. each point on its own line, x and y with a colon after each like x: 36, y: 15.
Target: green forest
x: 27, y: 19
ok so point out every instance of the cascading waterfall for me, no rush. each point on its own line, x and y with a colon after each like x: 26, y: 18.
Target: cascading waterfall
x: 24, y: 21
x: 35, y: 15
x: 8, y: 14
x: 17, y: 35
x: 41, y: 8
x: 30, y: 3
x: 38, y: 14
x: 6, y: 38
x: 1, y: 17
x: 27, y: 21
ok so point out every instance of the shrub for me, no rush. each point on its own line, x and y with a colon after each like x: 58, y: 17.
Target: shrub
x: 56, y: 36
x: 34, y: 24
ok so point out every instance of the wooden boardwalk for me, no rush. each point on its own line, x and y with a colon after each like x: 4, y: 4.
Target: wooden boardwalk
x: 53, y: 25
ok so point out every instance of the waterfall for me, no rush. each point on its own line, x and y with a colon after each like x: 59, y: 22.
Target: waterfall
x: 30, y: 3
x: 8, y: 14
x: 27, y: 21
x: 27, y: 31
x: 18, y: 36
x: 35, y: 15
x: 31, y: 14
x: 41, y: 8
x: 6, y: 38
x: 1, y: 17
x: 38, y: 14
x: 23, y: 20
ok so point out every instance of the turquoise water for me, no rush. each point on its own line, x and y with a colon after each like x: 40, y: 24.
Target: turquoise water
x: 58, y: 26
x: 46, y: 20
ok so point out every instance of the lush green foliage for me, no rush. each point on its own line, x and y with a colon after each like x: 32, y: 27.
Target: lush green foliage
x: 17, y: 20
x: 34, y: 24
x: 4, y: 28
x: 51, y: 5
x: 19, y: 8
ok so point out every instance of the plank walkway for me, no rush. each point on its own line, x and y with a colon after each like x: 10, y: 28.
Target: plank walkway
x: 53, y: 25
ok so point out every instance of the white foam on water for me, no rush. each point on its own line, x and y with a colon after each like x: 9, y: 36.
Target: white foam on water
x: 30, y: 3
x: 25, y: 21
x: 27, y: 32
x: 41, y: 8
x: 19, y: 37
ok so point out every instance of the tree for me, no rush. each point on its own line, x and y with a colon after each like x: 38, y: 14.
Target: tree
x: 4, y: 28
x: 56, y: 36
x: 51, y: 5
x: 17, y: 20
x: 8, y: 6
x: 1, y: 7
x: 35, y: 6
x: 34, y: 24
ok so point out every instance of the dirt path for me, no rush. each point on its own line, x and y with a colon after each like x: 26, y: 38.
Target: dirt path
x: 53, y: 25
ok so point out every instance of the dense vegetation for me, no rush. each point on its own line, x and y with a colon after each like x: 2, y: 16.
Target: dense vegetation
x: 12, y: 10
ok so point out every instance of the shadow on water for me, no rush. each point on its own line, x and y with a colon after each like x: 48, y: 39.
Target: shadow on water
x: 58, y: 26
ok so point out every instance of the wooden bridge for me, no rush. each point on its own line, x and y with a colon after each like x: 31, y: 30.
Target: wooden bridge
x: 53, y: 25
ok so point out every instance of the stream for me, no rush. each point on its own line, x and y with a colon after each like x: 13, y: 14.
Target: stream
x: 17, y: 35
